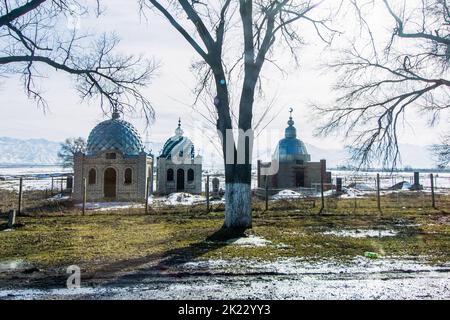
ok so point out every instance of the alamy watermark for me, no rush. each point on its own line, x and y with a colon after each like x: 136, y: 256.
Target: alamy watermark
x: 74, y: 280
x: 238, y: 145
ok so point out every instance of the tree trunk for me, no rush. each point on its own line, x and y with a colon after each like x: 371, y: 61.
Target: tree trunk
x: 238, y: 204
x: 238, y: 201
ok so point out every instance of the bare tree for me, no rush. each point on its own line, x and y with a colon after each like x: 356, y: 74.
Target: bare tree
x: 253, y: 30
x: 68, y: 150
x: 37, y: 36
x: 385, y: 75
x: 442, y: 152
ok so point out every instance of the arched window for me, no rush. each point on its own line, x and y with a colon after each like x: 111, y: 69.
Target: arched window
x: 170, y: 175
x: 128, y: 176
x: 92, y: 176
x: 190, y: 175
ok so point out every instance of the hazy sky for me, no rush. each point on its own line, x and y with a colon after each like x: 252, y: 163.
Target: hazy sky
x: 171, y: 90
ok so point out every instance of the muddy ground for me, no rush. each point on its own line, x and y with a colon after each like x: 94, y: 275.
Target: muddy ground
x: 361, y: 278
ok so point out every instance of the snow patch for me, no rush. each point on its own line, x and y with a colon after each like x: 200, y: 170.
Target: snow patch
x: 359, y: 233
x: 59, y: 197
x: 182, y: 198
x: 351, y: 193
x: 301, y: 266
x: 250, y: 241
x: 287, y: 194
x: 12, y: 265
x: 107, y: 206
x: 361, y: 186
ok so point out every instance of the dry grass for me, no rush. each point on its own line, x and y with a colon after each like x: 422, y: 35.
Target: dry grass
x: 63, y: 237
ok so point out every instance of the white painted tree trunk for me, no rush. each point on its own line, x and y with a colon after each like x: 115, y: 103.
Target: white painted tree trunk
x: 238, y: 208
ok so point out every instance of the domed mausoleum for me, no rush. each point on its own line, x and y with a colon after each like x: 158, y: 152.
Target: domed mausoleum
x: 179, y: 169
x: 290, y: 148
x: 115, y: 165
x: 291, y: 166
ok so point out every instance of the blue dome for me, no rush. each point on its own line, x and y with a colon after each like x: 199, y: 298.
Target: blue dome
x: 290, y: 148
x: 178, y: 145
x: 114, y: 134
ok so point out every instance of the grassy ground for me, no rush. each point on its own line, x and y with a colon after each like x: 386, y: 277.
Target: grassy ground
x: 119, y: 240
x: 66, y: 236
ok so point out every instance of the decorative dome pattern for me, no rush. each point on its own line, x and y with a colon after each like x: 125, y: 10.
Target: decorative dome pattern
x: 114, y: 134
x: 290, y: 148
x: 178, y: 145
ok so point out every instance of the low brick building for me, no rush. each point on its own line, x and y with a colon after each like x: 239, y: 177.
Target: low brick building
x: 179, y: 169
x: 115, y: 165
x: 291, y: 166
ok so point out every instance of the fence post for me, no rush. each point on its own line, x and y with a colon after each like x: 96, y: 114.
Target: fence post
x: 433, y: 201
x: 378, y: 192
x: 19, y: 210
x: 51, y: 192
x: 84, y: 195
x: 147, y: 193
x: 11, y: 219
x: 207, y: 193
x: 338, y: 185
x: 322, y: 205
x: 266, y: 186
x: 258, y: 173
x: 151, y: 175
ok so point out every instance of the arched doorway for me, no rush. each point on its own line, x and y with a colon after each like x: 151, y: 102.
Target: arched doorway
x: 110, y: 181
x: 300, y: 178
x: 180, y: 180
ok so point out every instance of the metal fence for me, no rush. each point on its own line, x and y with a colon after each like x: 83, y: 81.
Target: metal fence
x: 358, y: 192
x: 369, y: 191
x: 33, y: 192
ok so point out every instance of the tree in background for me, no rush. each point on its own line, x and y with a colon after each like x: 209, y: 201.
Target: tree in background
x: 384, y: 76
x: 37, y: 36
x: 237, y: 38
x: 442, y: 152
x: 68, y: 150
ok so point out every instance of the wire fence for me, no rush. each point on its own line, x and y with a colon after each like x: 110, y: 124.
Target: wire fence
x: 29, y: 193
x: 366, y: 192
x: 363, y: 192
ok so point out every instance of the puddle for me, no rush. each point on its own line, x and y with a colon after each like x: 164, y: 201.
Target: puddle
x: 361, y: 233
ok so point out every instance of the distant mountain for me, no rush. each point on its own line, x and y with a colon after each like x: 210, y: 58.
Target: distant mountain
x: 29, y: 151
x: 37, y: 151
x: 40, y: 151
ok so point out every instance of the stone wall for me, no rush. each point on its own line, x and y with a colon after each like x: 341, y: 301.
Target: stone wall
x: 166, y: 187
x: 135, y: 191
x: 286, y: 177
